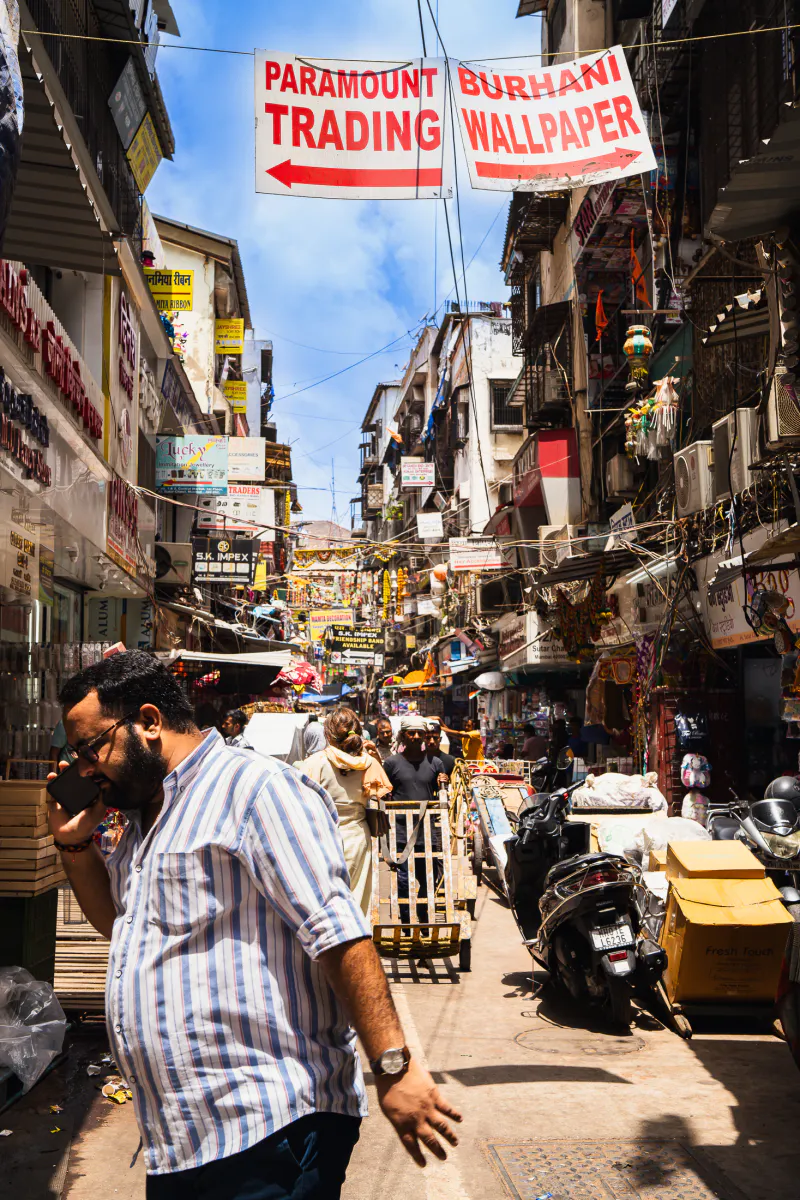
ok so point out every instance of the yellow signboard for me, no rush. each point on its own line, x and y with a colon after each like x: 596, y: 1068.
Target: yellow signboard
x: 173, y: 290
x: 235, y: 390
x: 229, y: 336
x: 320, y: 618
x: 144, y: 153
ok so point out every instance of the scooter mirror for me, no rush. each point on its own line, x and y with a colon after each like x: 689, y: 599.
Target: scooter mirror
x: 565, y: 759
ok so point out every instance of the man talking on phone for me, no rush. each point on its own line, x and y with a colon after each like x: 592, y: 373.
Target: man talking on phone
x: 238, y: 957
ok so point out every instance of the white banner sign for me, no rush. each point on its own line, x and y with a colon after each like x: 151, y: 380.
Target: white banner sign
x: 568, y: 125
x: 429, y: 525
x: 245, y: 509
x: 352, y: 130
x: 246, y: 458
x: 425, y: 607
x: 476, y: 554
x: 414, y: 472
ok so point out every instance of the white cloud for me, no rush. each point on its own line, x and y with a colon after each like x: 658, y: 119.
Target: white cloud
x: 339, y: 275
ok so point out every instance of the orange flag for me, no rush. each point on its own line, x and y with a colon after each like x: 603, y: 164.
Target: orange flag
x: 601, y: 321
x: 637, y: 274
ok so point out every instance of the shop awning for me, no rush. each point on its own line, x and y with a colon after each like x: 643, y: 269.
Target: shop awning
x: 251, y: 658
x: 53, y: 219
x: 586, y: 566
x: 746, y: 316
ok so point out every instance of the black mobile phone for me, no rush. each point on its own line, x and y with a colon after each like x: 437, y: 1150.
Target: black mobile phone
x: 73, y: 791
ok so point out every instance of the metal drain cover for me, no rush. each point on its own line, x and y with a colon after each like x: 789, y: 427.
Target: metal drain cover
x: 646, y: 1170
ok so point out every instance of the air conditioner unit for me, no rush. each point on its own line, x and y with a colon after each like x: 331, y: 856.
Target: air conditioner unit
x: 557, y: 542
x: 173, y: 563
x: 694, y: 483
x: 782, y: 426
x: 505, y: 494
x: 733, y: 475
x: 620, y: 478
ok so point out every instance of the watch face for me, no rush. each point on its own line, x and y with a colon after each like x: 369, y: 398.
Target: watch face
x: 393, y: 1061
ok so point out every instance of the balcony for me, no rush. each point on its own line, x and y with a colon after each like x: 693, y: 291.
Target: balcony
x: 548, y: 367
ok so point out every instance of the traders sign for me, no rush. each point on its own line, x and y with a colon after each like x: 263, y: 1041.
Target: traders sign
x: 229, y: 336
x: 222, y: 560
x: 354, y: 130
x: 570, y: 125
x: 195, y: 465
x: 172, y: 290
x: 355, y: 647
x: 245, y: 510
x: 415, y: 472
x: 476, y: 554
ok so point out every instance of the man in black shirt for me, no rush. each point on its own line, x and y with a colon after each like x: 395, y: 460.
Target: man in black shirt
x: 415, y: 776
x: 433, y: 748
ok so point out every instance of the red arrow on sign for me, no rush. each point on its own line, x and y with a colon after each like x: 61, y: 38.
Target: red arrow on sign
x: 288, y: 173
x: 617, y: 158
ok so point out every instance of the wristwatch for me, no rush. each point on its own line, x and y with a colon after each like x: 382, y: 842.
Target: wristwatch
x: 392, y: 1062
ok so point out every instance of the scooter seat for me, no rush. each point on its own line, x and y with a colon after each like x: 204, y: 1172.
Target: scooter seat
x: 568, y: 865
x: 724, y: 829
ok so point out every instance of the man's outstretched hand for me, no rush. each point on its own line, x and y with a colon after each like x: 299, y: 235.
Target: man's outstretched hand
x: 418, y: 1111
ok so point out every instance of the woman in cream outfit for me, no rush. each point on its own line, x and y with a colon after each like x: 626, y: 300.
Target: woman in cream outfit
x: 351, y: 777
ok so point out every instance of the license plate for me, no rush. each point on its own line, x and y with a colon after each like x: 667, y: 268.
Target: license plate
x: 612, y: 937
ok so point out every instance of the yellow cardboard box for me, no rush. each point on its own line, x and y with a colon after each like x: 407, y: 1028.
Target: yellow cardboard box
x: 712, y: 860
x: 724, y: 939
x: 658, y: 860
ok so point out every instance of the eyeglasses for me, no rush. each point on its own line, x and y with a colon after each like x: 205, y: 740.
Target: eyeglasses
x: 88, y: 752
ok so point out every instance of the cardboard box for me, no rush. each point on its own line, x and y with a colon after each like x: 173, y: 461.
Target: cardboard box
x: 712, y: 860
x: 724, y: 939
x: 658, y: 860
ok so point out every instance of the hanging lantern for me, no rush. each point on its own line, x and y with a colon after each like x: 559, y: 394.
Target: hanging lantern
x: 387, y: 594
x: 637, y: 349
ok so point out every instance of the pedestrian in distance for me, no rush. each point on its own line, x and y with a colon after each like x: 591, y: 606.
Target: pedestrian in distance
x: 470, y: 738
x: 313, y: 736
x: 233, y: 727
x: 352, y: 778
x: 415, y: 776
x: 239, y: 958
x: 384, y: 738
x: 433, y: 748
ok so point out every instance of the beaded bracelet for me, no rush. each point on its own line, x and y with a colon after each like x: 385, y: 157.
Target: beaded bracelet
x: 77, y: 848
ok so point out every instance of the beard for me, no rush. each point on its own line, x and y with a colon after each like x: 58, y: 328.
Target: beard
x: 141, y: 774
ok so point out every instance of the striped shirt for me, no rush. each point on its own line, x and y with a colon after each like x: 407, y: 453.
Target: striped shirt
x: 219, y: 1015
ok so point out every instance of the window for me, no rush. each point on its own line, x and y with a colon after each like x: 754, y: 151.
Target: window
x: 504, y: 416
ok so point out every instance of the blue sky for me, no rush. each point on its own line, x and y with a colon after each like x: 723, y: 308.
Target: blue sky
x: 344, y: 278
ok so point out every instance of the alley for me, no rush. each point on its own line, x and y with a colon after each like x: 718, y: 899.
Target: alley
x: 533, y: 1080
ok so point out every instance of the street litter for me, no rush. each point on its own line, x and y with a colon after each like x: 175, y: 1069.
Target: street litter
x: 93, y: 1069
x: 6, y: 1132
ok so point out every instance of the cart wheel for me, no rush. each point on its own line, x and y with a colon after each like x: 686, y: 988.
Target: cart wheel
x: 682, y: 1026
x: 477, y: 855
x: 465, y: 955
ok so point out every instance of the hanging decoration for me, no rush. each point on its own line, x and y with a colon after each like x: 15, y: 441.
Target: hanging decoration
x: 402, y: 583
x: 579, y: 625
x: 637, y: 349
x: 652, y: 424
x: 387, y: 594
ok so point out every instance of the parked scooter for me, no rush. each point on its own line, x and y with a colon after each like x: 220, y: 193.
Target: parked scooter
x: 770, y: 828
x: 576, y: 909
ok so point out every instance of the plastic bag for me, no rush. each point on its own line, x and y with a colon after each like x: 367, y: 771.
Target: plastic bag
x: 656, y: 835
x: 32, y: 1025
x: 614, y: 790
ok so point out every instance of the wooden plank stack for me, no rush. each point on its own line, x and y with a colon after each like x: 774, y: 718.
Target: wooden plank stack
x: 29, y: 862
x: 81, y: 958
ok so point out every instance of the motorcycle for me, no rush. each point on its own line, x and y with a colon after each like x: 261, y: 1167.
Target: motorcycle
x: 576, y: 909
x: 770, y: 828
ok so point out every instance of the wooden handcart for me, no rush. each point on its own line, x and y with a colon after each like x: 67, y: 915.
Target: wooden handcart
x: 485, y: 790
x: 438, y: 924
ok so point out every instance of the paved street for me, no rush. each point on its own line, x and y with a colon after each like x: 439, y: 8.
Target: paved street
x: 520, y: 1071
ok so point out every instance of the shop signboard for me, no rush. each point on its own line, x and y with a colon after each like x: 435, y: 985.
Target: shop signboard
x: 320, y: 618
x: 512, y: 634
x: 430, y: 526
x: 127, y: 104
x: 104, y: 618
x: 19, y: 560
x: 247, y: 509
x: 235, y: 392
x: 122, y: 525
x: 722, y: 606
x: 351, y: 129
x: 351, y: 646
x: 570, y: 124
x: 172, y: 289
x: 229, y: 336
x: 144, y: 154
x: 47, y: 567
x: 194, y: 465
x: 544, y: 649
x: 247, y: 458
x: 415, y: 472
x: 24, y: 432
x: 425, y: 607
x: 622, y: 523
x: 476, y: 554
x: 222, y: 559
